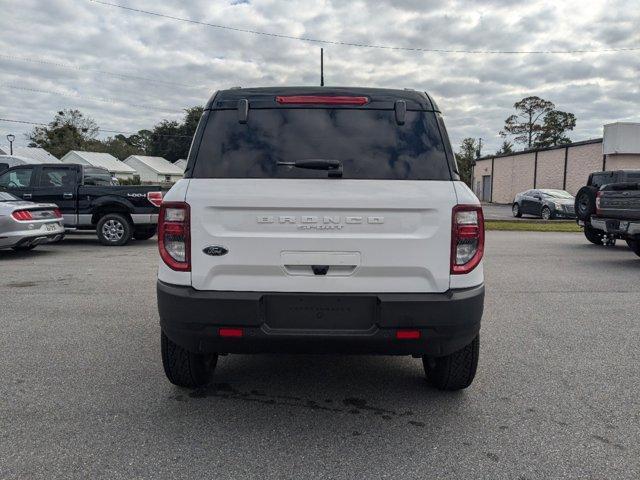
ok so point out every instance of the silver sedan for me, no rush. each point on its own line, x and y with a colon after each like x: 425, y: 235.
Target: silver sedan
x: 23, y: 225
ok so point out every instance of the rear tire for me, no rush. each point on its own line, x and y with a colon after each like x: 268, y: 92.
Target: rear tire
x: 515, y: 209
x: 144, y: 233
x: 455, y: 371
x: 634, y: 245
x: 594, y: 236
x: 184, y: 368
x: 114, y: 230
x: 585, y: 204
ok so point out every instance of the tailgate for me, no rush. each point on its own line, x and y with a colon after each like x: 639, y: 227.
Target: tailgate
x: 622, y: 204
x: 309, y: 235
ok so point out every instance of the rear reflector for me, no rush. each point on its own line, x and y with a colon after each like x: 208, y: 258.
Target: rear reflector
x: 408, y: 334
x: 231, y: 332
x: 155, y: 198
x: 174, y: 242
x: 321, y: 100
x: 22, y: 215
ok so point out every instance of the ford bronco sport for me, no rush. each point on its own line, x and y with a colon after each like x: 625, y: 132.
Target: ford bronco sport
x: 321, y: 220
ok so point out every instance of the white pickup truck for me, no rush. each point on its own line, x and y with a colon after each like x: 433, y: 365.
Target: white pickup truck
x: 321, y: 220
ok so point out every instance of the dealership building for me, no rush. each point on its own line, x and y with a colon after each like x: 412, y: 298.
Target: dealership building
x: 498, y: 178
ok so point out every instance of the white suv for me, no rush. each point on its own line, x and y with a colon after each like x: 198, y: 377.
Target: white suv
x: 321, y: 220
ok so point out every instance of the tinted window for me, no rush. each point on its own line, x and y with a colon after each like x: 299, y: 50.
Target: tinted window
x: 57, y: 177
x: 18, y: 178
x: 369, y: 143
x: 97, y: 176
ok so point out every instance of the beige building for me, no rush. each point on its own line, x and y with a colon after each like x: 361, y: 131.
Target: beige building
x: 498, y: 178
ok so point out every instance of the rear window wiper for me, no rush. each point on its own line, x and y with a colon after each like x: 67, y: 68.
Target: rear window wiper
x: 333, y: 166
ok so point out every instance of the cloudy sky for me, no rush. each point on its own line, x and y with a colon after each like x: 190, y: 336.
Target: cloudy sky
x: 129, y: 70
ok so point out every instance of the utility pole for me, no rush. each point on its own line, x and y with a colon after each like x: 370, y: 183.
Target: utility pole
x: 11, y: 137
x: 479, y: 152
x: 322, y: 67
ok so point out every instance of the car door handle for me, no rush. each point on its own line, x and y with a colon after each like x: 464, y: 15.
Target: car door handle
x: 67, y: 195
x: 27, y: 195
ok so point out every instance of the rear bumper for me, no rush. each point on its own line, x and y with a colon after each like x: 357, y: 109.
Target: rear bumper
x: 622, y: 228
x: 446, y: 321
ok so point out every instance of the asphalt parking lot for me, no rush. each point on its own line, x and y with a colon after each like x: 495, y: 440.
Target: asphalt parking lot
x: 557, y: 393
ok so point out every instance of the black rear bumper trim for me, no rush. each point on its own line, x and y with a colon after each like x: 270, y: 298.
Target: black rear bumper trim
x: 447, y: 322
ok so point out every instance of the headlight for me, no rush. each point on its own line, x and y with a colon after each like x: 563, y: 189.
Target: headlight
x: 558, y: 206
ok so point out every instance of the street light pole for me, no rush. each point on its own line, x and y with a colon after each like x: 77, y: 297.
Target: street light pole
x: 11, y: 138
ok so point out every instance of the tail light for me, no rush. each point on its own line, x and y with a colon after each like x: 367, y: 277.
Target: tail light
x: 57, y: 213
x: 321, y: 100
x: 155, y: 198
x: 467, y: 238
x: 22, y: 215
x: 173, y: 236
x: 598, y: 201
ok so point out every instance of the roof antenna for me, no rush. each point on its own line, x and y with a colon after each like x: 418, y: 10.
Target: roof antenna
x: 322, y: 67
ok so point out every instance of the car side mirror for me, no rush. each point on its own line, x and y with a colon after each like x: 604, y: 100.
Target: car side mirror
x: 537, y: 197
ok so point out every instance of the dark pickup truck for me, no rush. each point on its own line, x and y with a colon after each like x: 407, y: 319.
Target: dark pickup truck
x: 609, y: 208
x: 88, y: 199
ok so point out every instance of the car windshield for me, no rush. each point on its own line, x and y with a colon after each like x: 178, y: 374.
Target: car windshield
x: 557, y: 193
x: 7, y: 197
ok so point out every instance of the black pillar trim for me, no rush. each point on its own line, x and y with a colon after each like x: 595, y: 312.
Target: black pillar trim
x: 535, y: 170
x: 564, y: 178
x: 604, y: 162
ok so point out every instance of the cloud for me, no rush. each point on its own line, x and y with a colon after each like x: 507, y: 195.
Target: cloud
x: 476, y: 92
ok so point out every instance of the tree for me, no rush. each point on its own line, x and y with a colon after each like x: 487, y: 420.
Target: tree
x: 465, y: 158
x: 69, y: 130
x: 172, y: 139
x: 554, y: 126
x: 507, y: 147
x: 526, y: 124
x: 119, y: 146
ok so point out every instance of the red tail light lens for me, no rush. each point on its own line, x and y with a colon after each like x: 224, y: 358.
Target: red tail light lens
x: 598, y: 200
x: 57, y: 213
x: 231, y: 332
x: 155, y: 198
x: 174, y: 242
x: 22, y: 215
x: 408, y: 334
x: 467, y: 238
x: 321, y: 100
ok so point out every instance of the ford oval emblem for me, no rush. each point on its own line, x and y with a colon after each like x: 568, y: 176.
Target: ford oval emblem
x: 215, y: 251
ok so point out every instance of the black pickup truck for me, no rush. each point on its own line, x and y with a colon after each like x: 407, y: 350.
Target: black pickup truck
x: 609, y: 208
x: 88, y: 199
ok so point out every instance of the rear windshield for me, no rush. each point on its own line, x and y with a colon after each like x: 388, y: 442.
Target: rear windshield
x: 368, y: 143
x: 97, y: 176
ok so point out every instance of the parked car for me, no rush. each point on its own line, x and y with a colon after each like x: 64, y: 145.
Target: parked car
x: 88, y: 199
x: 618, y: 189
x: 24, y: 225
x: 321, y: 220
x: 544, y: 203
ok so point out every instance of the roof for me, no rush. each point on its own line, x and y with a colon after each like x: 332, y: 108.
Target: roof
x: 181, y: 164
x: 534, y: 150
x: 40, y: 155
x: 104, y: 160
x: 19, y: 158
x: 264, y: 97
x: 158, y: 165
